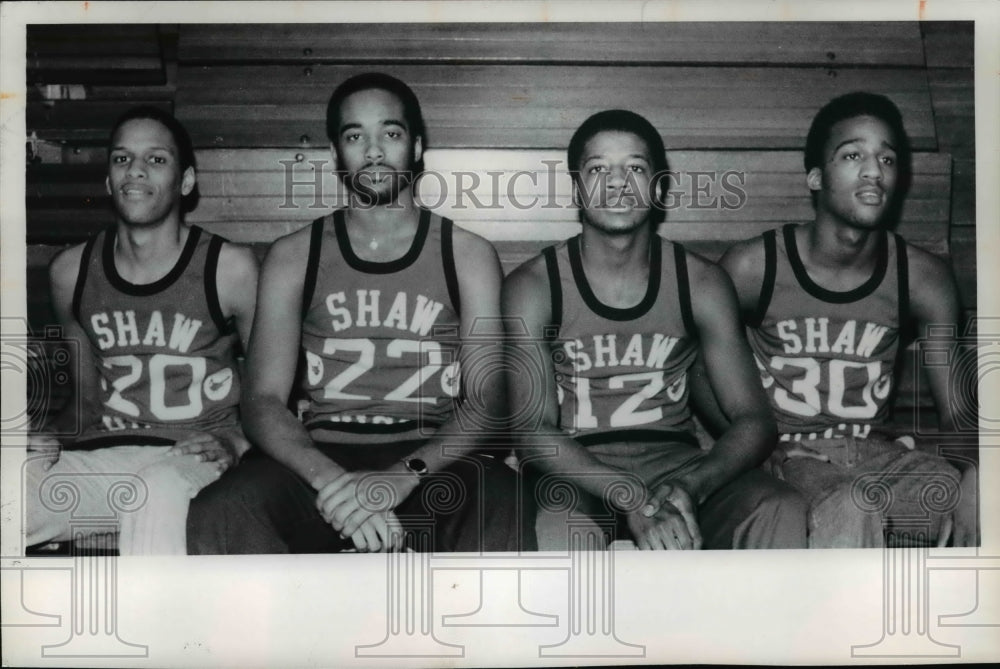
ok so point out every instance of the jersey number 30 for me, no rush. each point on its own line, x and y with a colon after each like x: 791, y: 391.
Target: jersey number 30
x: 802, y: 397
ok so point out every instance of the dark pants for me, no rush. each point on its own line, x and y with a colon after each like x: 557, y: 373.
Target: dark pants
x: 751, y: 511
x: 263, y: 507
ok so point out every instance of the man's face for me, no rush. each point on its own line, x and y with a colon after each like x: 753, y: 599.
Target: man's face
x: 145, y: 179
x: 613, y: 186
x: 857, y: 181
x: 374, y: 147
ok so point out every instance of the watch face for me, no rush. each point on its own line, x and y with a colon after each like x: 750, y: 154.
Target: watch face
x: 416, y: 465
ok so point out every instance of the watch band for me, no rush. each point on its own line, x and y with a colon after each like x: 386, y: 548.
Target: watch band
x: 416, y: 466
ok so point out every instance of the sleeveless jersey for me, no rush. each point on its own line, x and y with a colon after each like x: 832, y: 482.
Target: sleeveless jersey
x: 165, y: 354
x: 380, y: 339
x: 622, y: 373
x: 827, y: 358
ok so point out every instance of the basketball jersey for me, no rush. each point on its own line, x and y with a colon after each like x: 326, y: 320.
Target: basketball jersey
x: 621, y: 373
x: 380, y: 339
x: 827, y: 358
x: 165, y: 354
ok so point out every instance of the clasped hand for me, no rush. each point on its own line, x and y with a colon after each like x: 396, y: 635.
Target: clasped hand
x: 359, y: 505
x: 667, y: 521
x: 209, y: 447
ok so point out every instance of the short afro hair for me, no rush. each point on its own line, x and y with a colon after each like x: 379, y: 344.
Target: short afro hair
x: 185, y: 149
x: 851, y: 106
x: 382, y: 82
x: 620, y: 120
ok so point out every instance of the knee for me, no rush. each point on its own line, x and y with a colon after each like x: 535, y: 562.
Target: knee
x: 164, y: 480
x: 784, y: 501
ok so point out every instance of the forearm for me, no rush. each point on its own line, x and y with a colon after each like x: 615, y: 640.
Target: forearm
x: 269, y: 425
x: 744, y: 445
x: 563, y: 456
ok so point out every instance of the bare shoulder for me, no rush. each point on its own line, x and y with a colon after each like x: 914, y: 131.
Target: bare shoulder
x: 288, y: 254
x: 744, y: 261
x: 530, y: 276
x: 66, y: 262
x: 704, y: 273
x: 933, y: 291
x: 237, y: 261
x: 526, y: 295
x: 64, y: 269
x: 714, y: 302
x: 925, y: 267
x: 473, y: 251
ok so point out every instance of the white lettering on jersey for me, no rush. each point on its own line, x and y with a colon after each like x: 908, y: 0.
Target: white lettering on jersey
x: 128, y: 331
x: 368, y: 308
x: 604, y: 351
x: 870, y: 339
x: 660, y: 350
x: 341, y: 315
x: 816, y: 333
x: 633, y: 352
x: 580, y: 359
x: 396, y: 318
x: 183, y: 333
x: 155, y: 332
x: 792, y: 342
x: 105, y: 335
x: 424, y: 315
x: 817, y: 337
x: 367, y: 312
x: 845, y: 340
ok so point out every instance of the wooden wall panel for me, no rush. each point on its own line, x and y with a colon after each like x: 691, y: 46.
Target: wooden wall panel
x: 95, y: 54
x: 539, y: 106
x: 949, y: 54
x: 840, y: 43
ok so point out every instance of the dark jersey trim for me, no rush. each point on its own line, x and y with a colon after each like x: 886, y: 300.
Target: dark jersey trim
x: 147, y: 289
x: 555, y: 291
x: 903, y: 281
x: 120, y: 440
x: 81, y: 276
x: 615, y: 313
x: 212, y: 288
x: 684, y: 290
x: 369, y: 267
x: 448, y: 258
x: 770, y: 272
x: 312, y: 264
x: 834, y: 297
x: 371, y: 428
x: 662, y: 436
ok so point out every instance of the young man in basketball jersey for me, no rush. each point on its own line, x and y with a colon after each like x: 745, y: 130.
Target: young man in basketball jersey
x: 158, y: 309
x: 610, y: 321
x: 380, y: 300
x: 828, y: 304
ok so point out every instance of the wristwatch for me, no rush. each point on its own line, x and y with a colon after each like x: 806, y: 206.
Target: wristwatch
x: 417, y: 466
